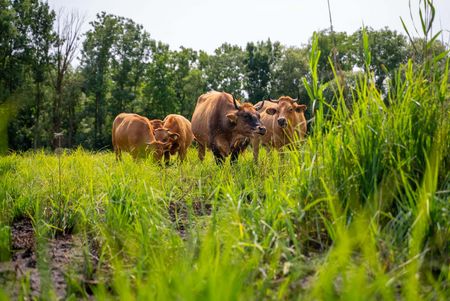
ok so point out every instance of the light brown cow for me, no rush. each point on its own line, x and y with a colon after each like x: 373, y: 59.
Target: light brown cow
x: 161, y: 133
x: 285, y: 122
x: 133, y: 133
x: 178, y: 131
x: 223, y: 125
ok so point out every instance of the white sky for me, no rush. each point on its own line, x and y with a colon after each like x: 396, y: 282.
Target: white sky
x: 206, y: 24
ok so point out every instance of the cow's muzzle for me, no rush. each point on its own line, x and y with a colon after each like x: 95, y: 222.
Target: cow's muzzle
x: 282, y: 122
x: 260, y: 130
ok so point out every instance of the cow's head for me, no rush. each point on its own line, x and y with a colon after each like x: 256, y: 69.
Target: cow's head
x: 157, y: 123
x: 245, y: 119
x: 287, y: 112
x: 165, y: 141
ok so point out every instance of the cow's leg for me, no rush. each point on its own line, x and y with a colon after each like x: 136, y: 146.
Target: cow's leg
x: 219, y: 159
x: 256, y: 143
x: 135, y: 155
x: 234, y: 156
x: 220, y: 148
x: 217, y: 155
x: 182, y: 154
x: 167, y: 158
x: 237, y: 149
x: 118, y: 153
x: 140, y: 153
x: 201, y: 151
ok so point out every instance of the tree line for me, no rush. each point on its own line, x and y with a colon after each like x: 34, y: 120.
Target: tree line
x: 122, y: 69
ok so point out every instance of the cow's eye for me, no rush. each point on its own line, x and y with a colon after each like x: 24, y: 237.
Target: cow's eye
x: 290, y: 109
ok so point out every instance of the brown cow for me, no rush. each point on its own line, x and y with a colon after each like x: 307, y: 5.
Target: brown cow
x: 164, y: 135
x: 134, y: 134
x: 157, y: 123
x: 223, y: 125
x: 161, y: 133
x: 285, y: 122
x: 178, y: 131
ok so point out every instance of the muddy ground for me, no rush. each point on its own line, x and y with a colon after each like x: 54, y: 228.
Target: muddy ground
x: 21, y: 275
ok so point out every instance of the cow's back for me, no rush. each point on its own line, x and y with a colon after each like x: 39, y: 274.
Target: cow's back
x: 132, y: 132
x: 207, y: 117
x: 116, y: 123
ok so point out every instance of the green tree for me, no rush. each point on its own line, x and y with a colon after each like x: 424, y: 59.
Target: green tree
x: 11, y: 70
x: 42, y: 39
x: 338, y: 47
x: 131, y: 53
x: 417, y: 49
x: 389, y: 49
x: 96, y: 61
x: 259, y: 60
x: 188, y: 80
x: 72, y: 102
x: 288, y: 72
x: 25, y: 63
x: 194, y: 84
x: 68, y: 30
x: 224, y: 70
x: 15, y: 82
x: 160, y: 94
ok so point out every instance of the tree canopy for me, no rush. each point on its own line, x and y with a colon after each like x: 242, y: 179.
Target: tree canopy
x: 122, y: 69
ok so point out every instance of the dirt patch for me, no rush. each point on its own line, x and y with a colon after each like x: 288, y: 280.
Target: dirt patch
x: 63, y: 253
x: 22, y: 233
x: 179, y: 213
x: 23, y: 260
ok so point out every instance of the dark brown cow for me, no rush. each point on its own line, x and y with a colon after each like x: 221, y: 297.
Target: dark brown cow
x: 180, y: 132
x: 223, y: 125
x: 285, y: 122
x: 133, y: 133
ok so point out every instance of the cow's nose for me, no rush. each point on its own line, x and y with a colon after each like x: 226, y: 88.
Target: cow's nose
x: 282, y: 122
x: 261, y: 130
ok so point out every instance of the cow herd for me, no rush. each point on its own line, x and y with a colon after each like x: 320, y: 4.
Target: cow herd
x: 219, y: 123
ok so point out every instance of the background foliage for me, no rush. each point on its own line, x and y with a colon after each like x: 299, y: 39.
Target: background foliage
x: 359, y: 210
x: 121, y: 68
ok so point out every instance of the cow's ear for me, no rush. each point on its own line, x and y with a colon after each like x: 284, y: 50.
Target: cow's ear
x: 300, y: 108
x: 152, y: 146
x: 174, y: 136
x: 271, y: 111
x: 232, y: 117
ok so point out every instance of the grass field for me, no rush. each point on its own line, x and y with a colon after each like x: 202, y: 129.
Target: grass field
x: 358, y: 211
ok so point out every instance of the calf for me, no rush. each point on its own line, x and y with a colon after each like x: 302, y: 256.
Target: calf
x: 181, y: 131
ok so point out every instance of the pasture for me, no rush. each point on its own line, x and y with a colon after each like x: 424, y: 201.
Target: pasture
x: 357, y: 211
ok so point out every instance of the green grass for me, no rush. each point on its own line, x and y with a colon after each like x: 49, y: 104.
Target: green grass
x: 358, y: 211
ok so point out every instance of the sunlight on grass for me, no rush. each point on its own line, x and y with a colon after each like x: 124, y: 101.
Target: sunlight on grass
x: 357, y: 211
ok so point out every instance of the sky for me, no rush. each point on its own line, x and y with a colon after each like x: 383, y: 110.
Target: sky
x: 206, y: 24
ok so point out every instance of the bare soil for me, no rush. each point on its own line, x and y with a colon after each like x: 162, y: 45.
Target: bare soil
x: 179, y: 213
x: 64, y: 253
